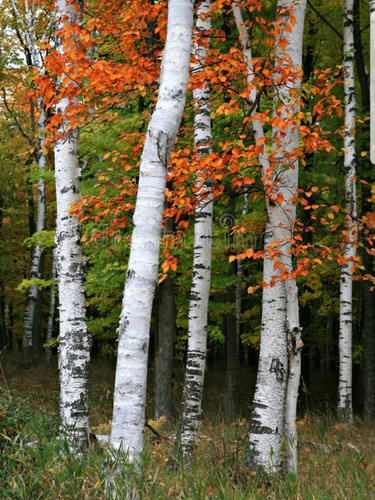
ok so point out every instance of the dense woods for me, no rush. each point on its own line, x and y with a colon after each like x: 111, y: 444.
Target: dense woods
x: 187, y: 200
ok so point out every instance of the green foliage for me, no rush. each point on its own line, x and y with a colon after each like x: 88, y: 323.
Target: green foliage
x: 215, y: 334
x: 41, y: 283
x: 45, y: 239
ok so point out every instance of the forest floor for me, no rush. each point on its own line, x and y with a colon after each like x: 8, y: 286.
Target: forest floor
x: 335, y: 461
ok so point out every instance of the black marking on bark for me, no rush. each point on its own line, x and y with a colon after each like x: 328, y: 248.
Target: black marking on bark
x: 277, y: 368
x: 257, y: 428
x: 130, y: 274
x: 164, y: 146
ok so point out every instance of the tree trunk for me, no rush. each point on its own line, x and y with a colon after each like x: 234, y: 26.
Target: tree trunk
x: 267, y: 416
x: 368, y: 310
x: 200, y: 286
x: 38, y: 313
x: 345, y: 402
x: 131, y: 373
x: 31, y: 328
x: 291, y: 58
x: 163, y: 403
x: 51, y: 312
x: 368, y: 296
x: 239, y: 285
x: 75, y: 340
x: 280, y: 320
x: 232, y: 375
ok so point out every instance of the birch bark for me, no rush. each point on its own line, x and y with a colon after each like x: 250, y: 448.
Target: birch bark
x: 35, y: 59
x: 200, y: 286
x: 51, y: 312
x: 291, y: 58
x: 345, y: 403
x: 279, y: 359
x: 75, y: 339
x: 131, y: 372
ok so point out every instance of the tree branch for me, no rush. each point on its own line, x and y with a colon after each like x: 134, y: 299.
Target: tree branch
x: 325, y: 20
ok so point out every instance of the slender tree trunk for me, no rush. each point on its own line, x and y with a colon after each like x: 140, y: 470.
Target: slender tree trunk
x: 232, y: 375
x: 368, y: 312
x: 239, y: 285
x: 51, y: 312
x: 345, y: 402
x: 131, y: 373
x: 36, y: 270
x: 163, y: 403
x: 75, y: 340
x: 279, y: 358
x: 10, y: 326
x: 3, y: 327
x: 291, y: 57
x: 368, y: 297
x: 200, y: 286
x: 31, y: 327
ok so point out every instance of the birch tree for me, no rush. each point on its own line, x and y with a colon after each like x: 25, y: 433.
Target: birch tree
x: 279, y: 358
x: 51, y: 312
x: 291, y: 57
x: 74, y: 339
x: 200, y: 286
x: 27, y: 28
x: 131, y: 371
x: 345, y: 403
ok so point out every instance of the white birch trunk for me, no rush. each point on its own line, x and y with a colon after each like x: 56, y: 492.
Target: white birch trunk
x: 279, y: 359
x: 239, y: 286
x: 267, y: 418
x: 75, y: 339
x: 291, y: 55
x: 28, y: 26
x: 37, y: 252
x: 201, y: 280
x: 131, y: 372
x: 51, y: 312
x: 345, y: 403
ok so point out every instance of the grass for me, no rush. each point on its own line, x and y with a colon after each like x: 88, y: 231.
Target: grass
x: 335, y: 461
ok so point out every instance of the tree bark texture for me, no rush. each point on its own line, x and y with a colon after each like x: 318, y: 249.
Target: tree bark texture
x: 368, y: 311
x: 75, y: 339
x: 35, y: 58
x: 368, y: 297
x: 291, y: 58
x: 163, y: 403
x: 345, y: 402
x: 232, y: 339
x: 201, y: 280
x: 279, y: 358
x: 131, y: 372
x: 51, y: 312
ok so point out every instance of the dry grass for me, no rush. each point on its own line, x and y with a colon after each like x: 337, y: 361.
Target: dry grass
x: 335, y: 461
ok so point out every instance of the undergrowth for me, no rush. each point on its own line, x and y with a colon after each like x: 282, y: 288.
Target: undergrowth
x: 335, y: 461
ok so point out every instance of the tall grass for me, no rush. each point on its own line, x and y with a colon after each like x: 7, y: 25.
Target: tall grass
x: 334, y: 462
